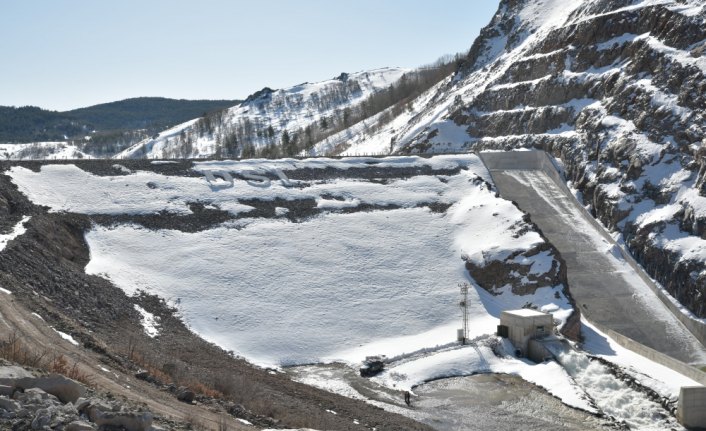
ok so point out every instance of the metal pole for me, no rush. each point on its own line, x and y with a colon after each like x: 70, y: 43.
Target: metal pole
x: 464, y: 309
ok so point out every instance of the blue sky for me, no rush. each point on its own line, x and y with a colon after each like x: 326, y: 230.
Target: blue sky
x: 65, y: 54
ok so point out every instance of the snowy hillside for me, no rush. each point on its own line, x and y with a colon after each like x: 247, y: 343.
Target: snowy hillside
x: 42, y: 151
x: 615, y: 89
x: 265, y: 116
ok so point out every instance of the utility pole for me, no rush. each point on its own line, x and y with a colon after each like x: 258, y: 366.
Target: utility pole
x: 463, y: 333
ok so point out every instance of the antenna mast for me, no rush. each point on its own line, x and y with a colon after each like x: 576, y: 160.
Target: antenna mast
x: 463, y: 336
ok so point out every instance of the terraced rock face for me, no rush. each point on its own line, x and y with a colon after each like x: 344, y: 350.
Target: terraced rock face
x: 617, y: 90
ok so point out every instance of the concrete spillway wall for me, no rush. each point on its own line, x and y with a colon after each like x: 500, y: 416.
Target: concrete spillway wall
x: 692, y: 401
x: 540, y: 160
x: 498, y: 161
x: 685, y: 369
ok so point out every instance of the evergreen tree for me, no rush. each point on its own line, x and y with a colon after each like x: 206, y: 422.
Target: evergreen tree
x: 289, y: 147
x: 230, y: 145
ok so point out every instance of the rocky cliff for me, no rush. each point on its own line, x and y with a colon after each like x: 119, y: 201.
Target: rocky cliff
x: 616, y: 90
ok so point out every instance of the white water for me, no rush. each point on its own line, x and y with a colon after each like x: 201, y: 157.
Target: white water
x: 613, y: 396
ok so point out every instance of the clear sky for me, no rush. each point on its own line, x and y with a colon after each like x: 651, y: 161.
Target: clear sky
x: 65, y: 54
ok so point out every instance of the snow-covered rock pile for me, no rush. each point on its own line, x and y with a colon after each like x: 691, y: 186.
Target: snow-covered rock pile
x: 617, y: 90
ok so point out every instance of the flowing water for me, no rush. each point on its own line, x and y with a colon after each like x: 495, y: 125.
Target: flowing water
x: 613, y: 396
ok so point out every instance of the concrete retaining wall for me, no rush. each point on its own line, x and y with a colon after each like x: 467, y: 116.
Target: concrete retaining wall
x: 687, y: 370
x: 540, y: 160
x: 691, y: 411
x: 537, y: 352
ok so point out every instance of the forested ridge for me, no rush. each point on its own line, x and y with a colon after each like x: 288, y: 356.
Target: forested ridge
x: 112, y: 122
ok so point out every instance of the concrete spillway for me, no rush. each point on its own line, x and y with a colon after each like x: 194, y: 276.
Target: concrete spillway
x: 608, y: 289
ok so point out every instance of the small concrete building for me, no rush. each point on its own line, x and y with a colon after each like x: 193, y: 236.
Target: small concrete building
x: 524, y: 325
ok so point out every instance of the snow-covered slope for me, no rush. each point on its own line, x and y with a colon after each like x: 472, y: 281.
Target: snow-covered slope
x: 614, y: 88
x: 41, y: 151
x: 264, y: 117
x: 337, y: 260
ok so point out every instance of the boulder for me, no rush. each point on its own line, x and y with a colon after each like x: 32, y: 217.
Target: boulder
x: 142, y: 374
x: 6, y: 391
x: 36, y: 393
x: 130, y: 421
x: 96, y: 408
x: 41, y: 419
x: 65, y: 389
x: 9, y: 405
x: 82, y: 403
x: 9, y: 373
x: 35, y: 398
x: 80, y: 426
x: 185, y: 395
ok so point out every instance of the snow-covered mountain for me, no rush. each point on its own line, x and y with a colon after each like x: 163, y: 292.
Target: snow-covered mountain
x: 306, y: 112
x: 614, y: 88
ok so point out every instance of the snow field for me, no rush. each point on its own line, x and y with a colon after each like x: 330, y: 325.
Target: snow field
x: 69, y: 188
x: 280, y: 293
x: 334, y: 287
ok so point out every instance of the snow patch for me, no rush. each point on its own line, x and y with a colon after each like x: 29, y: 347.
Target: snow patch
x: 18, y: 230
x: 149, y: 321
x: 66, y: 337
